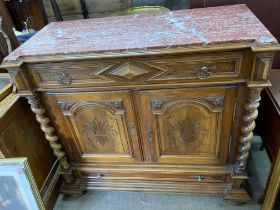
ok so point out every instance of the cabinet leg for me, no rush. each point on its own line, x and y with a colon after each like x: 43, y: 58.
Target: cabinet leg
x: 52, y: 138
x: 237, y: 193
x: 74, y: 189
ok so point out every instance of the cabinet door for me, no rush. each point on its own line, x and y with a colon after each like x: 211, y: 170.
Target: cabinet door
x: 190, y: 126
x: 102, y: 126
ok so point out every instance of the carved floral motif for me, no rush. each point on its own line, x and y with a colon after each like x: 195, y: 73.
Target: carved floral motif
x: 186, y: 131
x: 99, y: 132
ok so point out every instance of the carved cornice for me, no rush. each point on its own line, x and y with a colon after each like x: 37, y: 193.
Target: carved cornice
x: 115, y: 104
x: 65, y: 106
x: 229, y: 46
x: 215, y: 101
x: 157, y: 104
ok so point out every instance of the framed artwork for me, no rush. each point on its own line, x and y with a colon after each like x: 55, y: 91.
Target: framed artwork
x: 18, y: 189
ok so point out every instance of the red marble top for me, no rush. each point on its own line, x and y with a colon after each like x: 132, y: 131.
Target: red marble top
x: 183, y: 28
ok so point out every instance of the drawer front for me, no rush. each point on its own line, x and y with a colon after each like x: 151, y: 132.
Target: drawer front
x: 186, y: 126
x: 168, y: 181
x: 65, y: 74
x: 156, y: 176
x: 148, y: 70
x: 198, y: 67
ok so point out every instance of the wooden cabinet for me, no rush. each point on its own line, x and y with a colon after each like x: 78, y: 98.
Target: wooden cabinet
x: 174, y: 115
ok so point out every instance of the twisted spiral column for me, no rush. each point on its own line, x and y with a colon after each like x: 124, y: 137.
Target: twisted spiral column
x: 50, y: 135
x: 248, y: 125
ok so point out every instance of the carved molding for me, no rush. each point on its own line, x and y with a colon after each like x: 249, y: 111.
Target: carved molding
x: 94, y: 74
x: 263, y: 65
x: 65, y: 106
x: 131, y: 72
x: 115, y: 104
x: 73, y: 66
x: 116, y: 107
x: 157, y: 104
x: 214, y: 102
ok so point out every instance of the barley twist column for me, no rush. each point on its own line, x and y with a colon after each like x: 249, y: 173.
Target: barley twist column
x: 247, y: 128
x: 50, y: 135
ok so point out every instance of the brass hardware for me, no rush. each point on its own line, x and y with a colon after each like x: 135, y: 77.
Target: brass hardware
x: 200, y: 178
x: 205, y: 72
x: 98, y: 176
x: 64, y: 79
x: 150, y: 133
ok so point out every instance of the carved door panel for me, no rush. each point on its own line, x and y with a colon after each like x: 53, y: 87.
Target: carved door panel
x: 102, y: 125
x: 186, y: 126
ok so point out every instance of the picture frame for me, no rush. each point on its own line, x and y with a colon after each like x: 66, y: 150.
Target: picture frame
x: 18, y: 189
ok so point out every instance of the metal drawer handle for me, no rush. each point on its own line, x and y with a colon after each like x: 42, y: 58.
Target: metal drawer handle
x: 205, y: 72
x: 64, y: 79
x: 200, y: 178
x: 150, y: 133
x: 98, y: 176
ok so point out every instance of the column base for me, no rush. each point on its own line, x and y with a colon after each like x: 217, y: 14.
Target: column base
x: 237, y: 194
x: 73, y: 189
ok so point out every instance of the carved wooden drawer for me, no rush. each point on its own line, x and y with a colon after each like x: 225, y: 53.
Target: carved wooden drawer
x: 65, y: 74
x: 200, y: 66
x: 182, y: 177
x: 137, y: 70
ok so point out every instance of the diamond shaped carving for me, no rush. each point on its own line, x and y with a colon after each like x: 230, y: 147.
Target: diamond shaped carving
x: 131, y: 72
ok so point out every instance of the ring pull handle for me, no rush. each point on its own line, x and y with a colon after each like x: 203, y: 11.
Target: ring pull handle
x: 64, y: 79
x: 150, y: 133
x: 200, y: 178
x: 205, y: 72
x: 98, y: 176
